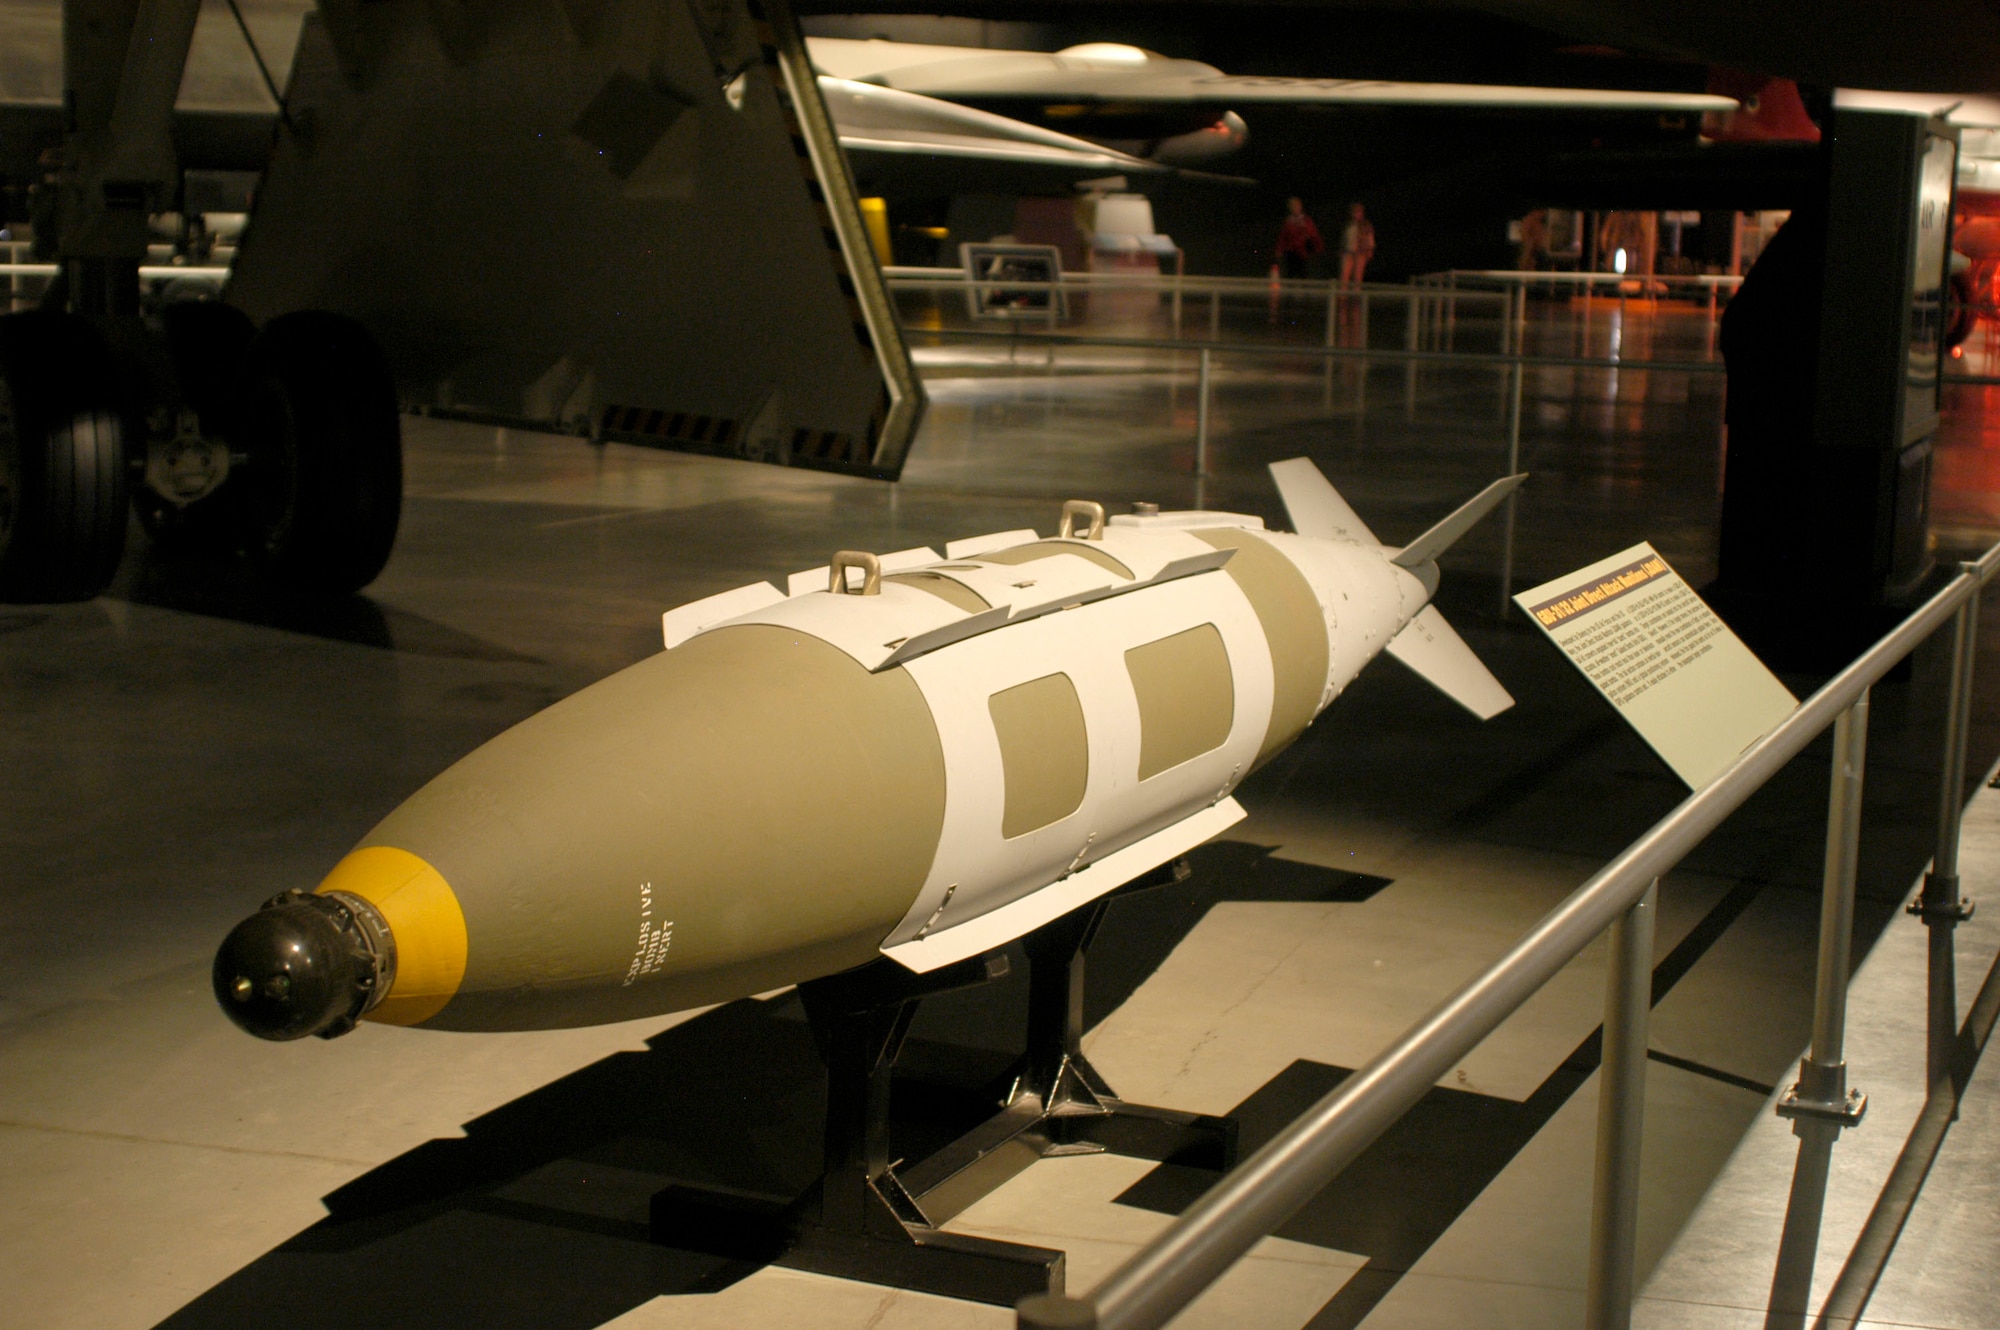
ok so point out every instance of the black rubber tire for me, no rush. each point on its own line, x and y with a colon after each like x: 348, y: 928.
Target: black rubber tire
x: 63, y: 508
x: 322, y: 489
x: 207, y: 342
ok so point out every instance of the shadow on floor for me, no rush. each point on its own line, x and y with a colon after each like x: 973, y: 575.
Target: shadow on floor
x: 1403, y: 1192
x: 224, y: 588
x: 538, y: 1215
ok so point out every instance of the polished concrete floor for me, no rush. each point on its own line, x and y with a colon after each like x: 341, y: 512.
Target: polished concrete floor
x: 183, y: 747
x: 1731, y: 1266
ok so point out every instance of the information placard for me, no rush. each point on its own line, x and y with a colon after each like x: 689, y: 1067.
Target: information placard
x: 1660, y: 655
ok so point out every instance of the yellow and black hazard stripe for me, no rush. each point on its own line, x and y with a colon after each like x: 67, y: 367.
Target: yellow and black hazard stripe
x: 638, y: 424
x: 688, y: 431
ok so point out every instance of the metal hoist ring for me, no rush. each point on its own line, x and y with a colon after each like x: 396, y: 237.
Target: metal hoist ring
x: 871, y: 573
x: 1076, y: 508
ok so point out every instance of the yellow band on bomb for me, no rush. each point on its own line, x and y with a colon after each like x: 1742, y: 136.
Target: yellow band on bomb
x: 425, y: 919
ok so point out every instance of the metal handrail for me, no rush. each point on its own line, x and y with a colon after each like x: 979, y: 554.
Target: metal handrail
x: 1511, y: 275
x: 1261, y: 1193
x: 919, y: 279
x: 1497, y: 359
x: 147, y: 271
x: 1513, y: 365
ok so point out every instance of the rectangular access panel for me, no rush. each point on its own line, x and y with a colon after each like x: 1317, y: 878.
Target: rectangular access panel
x: 627, y: 218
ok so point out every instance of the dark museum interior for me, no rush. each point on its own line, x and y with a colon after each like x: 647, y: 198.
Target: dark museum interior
x: 707, y: 663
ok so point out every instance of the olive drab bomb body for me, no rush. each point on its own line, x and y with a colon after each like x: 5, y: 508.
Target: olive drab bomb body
x: 910, y: 756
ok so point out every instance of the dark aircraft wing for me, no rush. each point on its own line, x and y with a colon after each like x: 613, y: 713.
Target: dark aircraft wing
x: 615, y: 219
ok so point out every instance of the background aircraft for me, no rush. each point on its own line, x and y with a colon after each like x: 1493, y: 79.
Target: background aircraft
x: 916, y: 118
x: 651, y: 180
x: 1174, y: 110
x: 226, y: 111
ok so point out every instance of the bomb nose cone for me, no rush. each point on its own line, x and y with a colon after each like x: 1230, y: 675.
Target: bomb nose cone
x: 301, y: 965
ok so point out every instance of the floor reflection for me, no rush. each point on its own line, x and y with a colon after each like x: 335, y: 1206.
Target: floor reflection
x: 1798, y: 1248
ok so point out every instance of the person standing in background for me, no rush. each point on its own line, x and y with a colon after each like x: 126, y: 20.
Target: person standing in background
x: 1534, y: 241
x: 1357, y: 245
x: 1636, y: 235
x: 1298, y: 240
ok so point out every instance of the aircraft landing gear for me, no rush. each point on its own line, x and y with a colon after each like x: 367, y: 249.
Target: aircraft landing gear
x: 323, y: 477
x: 62, y: 460
x: 283, y: 446
x: 188, y: 455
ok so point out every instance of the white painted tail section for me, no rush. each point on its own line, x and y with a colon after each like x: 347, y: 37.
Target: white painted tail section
x: 1315, y: 507
x: 1440, y: 656
x: 1426, y: 548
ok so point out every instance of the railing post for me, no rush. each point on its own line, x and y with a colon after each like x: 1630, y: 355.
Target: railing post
x: 1201, y: 416
x: 1413, y: 310
x: 1332, y: 340
x: 1361, y: 383
x: 1361, y: 372
x: 1940, y: 905
x: 1515, y: 375
x: 1822, y: 1091
x: 1621, y: 1117
x: 1583, y: 336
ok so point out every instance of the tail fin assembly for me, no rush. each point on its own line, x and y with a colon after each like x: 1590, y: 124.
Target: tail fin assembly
x: 1315, y: 507
x: 1427, y: 644
x: 1426, y: 548
x: 1441, y: 658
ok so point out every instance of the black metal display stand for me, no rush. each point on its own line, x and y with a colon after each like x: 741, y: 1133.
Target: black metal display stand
x: 869, y: 1219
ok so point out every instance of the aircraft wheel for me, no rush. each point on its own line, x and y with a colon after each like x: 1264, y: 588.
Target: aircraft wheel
x: 62, y: 461
x: 206, y: 341
x: 322, y: 480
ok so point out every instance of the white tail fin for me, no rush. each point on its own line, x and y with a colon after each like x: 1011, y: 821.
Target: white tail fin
x: 1440, y: 656
x: 1425, y: 548
x: 1427, y: 643
x: 1315, y: 507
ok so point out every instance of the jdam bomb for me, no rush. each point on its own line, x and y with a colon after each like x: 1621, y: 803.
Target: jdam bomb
x: 908, y: 756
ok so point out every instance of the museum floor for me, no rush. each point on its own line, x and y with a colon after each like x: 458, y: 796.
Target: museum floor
x: 182, y: 748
